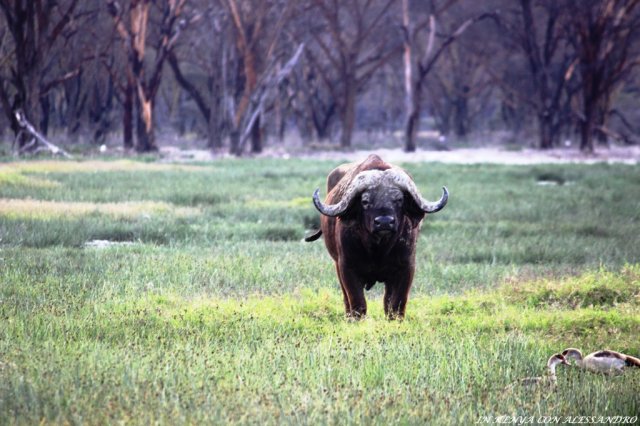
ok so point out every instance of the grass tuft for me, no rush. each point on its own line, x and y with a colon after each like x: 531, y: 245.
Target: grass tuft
x: 601, y: 288
x: 46, y: 210
x: 280, y: 234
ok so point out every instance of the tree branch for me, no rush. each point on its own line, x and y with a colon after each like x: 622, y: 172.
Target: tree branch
x: 262, y: 92
x: 188, y: 86
x: 28, y: 127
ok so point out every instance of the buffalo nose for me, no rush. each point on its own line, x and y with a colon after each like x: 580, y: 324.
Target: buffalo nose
x: 384, y: 223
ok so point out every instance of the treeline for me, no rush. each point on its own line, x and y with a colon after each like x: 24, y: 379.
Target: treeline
x: 237, y: 72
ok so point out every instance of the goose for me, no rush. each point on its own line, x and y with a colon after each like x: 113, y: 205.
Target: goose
x: 550, y: 378
x: 606, y: 361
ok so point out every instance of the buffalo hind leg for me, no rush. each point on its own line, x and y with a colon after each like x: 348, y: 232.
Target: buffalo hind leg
x: 345, y: 297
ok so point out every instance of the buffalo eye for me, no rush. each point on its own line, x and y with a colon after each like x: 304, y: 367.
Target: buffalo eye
x: 365, y: 201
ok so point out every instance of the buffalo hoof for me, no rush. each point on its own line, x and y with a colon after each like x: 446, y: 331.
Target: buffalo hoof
x: 395, y: 316
x: 355, y: 315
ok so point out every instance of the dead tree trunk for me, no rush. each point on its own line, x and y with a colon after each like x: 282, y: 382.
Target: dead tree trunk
x: 262, y: 101
x: 145, y: 141
x: 29, y: 133
x: 412, y: 110
x: 546, y: 130
x: 144, y: 80
x: 215, y: 125
x: 256, y: 137
x: 587, y: 125
x: 127, y: 117
x: 348, y: 113
x: 413, y: 117
x: 424, y: 67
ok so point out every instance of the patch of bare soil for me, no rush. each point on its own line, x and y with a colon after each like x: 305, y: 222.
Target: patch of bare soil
x: 492, y: 155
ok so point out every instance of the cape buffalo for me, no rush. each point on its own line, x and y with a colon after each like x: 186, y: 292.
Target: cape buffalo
x: 370, y: 220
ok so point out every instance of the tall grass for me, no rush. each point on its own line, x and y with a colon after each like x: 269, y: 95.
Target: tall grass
x: 224, y: 315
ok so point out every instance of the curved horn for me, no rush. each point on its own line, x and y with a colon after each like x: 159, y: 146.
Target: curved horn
x: 402, y: 179
x: 359, y: 183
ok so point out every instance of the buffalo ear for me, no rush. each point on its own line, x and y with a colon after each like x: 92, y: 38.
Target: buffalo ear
x: 413, y: 211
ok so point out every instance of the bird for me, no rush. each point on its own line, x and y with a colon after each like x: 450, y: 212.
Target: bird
x: 605, y: 361
x: 549, y: 379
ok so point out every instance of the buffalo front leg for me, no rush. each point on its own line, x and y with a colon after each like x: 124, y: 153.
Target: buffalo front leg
x: 396, y: 294
x: 353, y: 292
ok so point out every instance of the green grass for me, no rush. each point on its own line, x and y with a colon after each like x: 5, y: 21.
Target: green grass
x: 216, y: 312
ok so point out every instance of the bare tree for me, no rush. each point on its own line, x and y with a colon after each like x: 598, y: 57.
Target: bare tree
x: 602, y: 33
x: 116, y: 64
x: 258, y: 29
x: 352, y: 39
x: 85, y: 103
x: 314, y: 106
x: 38, y: 29
x: 144, y: 77
x: 459, y: 89
x: 245, y: 46
x: 416, y: 34
x: 201, y: 64
x: 534, y: 29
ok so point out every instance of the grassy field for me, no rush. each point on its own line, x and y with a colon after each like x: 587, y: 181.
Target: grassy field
x: 210, y: 308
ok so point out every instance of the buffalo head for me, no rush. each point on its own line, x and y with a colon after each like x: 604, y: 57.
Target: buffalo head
x: 381, y: 197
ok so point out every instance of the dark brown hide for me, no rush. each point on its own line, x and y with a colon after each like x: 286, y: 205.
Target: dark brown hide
x: 373, y: 239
